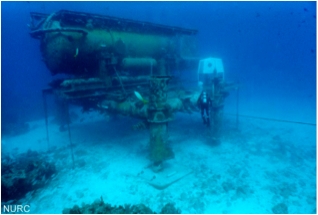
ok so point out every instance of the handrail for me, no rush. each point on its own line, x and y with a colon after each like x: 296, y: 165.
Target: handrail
x: 37, y: 33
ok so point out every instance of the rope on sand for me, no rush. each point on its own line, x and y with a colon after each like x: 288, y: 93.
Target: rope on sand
x: 276, y: 120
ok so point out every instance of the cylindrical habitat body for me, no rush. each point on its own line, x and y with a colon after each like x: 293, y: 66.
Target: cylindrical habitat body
x: 75, y: 53
x: 74, y: 42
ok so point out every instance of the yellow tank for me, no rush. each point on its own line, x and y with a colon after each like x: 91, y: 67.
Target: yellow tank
x: 76, y: 43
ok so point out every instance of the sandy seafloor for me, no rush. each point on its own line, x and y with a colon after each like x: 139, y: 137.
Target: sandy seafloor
x: 254, y: 168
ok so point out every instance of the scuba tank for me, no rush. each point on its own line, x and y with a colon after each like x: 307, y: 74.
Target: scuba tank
x: 204, y: 98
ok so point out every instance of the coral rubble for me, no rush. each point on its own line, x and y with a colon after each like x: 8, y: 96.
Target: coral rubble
x: 99, y: 207
x: 24, y: 173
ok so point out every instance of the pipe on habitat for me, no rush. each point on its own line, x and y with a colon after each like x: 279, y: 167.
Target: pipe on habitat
x: 141, y: 63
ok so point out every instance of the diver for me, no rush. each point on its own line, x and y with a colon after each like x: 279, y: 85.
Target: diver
x: 204, y: 103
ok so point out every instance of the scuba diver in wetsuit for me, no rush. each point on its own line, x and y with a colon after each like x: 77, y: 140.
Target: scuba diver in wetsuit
x: 204, y: 103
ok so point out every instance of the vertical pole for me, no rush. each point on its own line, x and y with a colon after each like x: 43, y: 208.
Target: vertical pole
x: 237, y: 108
x: 46, y: 119
x: 151, y: 67
x: 69, y: 133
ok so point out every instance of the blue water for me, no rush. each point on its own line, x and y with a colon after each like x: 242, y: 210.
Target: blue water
x: 269, y: 48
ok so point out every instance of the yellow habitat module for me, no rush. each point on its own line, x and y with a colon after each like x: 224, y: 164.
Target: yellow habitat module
x: 76, y: 43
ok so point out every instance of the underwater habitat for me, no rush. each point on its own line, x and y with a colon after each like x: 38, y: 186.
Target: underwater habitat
x: 172, y: 107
